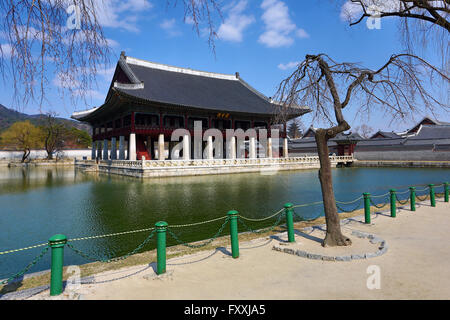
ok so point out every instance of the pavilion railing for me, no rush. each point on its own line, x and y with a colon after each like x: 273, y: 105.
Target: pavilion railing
x: 153, y: 164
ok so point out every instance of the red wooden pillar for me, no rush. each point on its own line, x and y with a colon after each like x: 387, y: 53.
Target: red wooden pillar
x: 132, y: 122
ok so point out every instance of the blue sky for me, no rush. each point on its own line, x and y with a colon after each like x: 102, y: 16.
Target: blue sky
x: 260, y: 39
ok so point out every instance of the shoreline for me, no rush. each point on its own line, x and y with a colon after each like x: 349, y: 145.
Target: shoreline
x: 41, y: 279
x: 400, y: 164
x: 135, y: 263
x: 215, y: 275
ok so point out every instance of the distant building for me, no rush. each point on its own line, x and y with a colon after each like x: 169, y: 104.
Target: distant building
x: 342, y: 145
x: 427, y: 121
x: 428, y: 140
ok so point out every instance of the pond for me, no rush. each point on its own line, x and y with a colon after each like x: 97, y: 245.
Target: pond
x: 36, y: 203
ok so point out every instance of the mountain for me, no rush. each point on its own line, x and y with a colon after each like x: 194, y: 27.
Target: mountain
x: 9, y: 116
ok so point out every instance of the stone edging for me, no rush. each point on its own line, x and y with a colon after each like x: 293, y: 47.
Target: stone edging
x: 382, y: 249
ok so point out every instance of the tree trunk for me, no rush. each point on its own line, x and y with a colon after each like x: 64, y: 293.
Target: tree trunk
x: 334, y: 236
x: 48, y: 148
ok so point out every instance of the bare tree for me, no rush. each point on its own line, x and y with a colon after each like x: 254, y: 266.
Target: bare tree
x: 38, y: 37
x: 397, y: 88
x: 364, y: 130
x: 53, y: 134
x: 421, y: 22
x: 65, y: 37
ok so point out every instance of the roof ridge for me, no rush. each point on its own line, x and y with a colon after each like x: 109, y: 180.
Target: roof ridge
x: 166, y: 67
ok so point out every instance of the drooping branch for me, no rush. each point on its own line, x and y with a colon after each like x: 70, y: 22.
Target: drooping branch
x: 435, y: 12
x: 399, y: 86
x: 42, y: 43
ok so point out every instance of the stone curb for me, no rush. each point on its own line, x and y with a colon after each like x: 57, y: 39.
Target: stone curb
x: 382, y: 249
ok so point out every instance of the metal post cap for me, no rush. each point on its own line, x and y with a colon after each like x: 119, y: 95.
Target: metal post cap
x: 392, y: 190
x: 431, y: 185
x: 57, y: 239
x: 365, y: 194
x: 412, y: 188
x: 161, y: 224
x: 233, y: 213
x: 288, y: 205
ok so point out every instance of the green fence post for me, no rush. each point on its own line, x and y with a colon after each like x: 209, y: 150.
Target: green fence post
x: 432, y: 195
x: 412, y: 198
x: 446, y: 191
x: 161, y: 229
x: 57, y: 243
x: 233, y: 216
x: 366, y: 196
x: 290, y: 221
x: 393, y: 203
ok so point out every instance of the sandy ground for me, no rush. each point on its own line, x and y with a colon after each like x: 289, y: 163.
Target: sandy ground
x: 416, y: 266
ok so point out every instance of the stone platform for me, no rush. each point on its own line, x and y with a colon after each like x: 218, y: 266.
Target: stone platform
x: 173, y: 168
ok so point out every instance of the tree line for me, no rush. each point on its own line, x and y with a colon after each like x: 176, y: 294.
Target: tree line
x: 51, y: 135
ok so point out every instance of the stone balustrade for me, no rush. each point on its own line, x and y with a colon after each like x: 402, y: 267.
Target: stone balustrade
x: 155, y: 164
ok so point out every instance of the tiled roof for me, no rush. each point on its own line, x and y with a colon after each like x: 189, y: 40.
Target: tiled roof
x: 432, y: 132
x: 186, y: 87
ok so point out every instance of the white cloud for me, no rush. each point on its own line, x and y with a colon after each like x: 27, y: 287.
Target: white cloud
x: 236, y: 22
x: 301, y: 33
x: 6, y: 51
x: 169, y: 25
x: 189, y: 20
x: 122, y: 14
x: 351, y: 10
x: 106, y: 73
x: 112, y: 43
x: 280, y: 31
x: 289, y: 65
x: 65, y: 81
x: 135, y: 5
x: 93, y: 94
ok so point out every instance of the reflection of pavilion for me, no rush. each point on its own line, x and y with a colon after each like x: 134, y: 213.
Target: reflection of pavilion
x: 147, y: 102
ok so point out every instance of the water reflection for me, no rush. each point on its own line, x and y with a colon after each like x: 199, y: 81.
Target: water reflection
x: 22, y: 179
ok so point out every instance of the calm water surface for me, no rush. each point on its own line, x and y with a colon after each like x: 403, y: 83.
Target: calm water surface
x: 37, y: 203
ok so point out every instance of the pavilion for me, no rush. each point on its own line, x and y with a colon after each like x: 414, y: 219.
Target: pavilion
x: 148, y: 101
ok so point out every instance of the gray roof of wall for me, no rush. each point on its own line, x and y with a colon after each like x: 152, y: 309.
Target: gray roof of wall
x: 432, y: 132
x: 386, y: 134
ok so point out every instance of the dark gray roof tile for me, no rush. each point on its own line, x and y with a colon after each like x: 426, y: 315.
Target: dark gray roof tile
x: 186, y: 87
